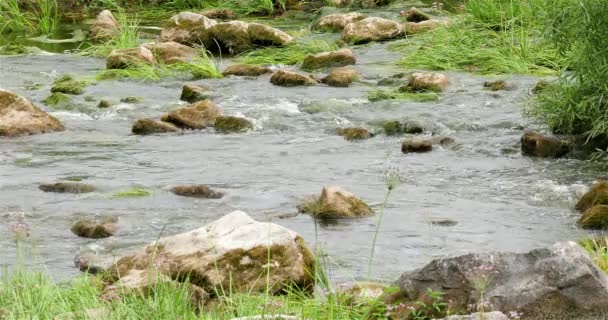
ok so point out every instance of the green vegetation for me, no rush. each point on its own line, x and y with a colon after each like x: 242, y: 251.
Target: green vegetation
x: 492, y: 37
x: 377, y: 95
x: 42, y: 18
x: 131, y: 193
x: 598, y: 250
x: 290, y: 54
x: 127, y: 38
x: 577, y: 103
x: 200, y: 68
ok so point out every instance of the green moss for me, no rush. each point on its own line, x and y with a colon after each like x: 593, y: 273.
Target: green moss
x: 351, y: 134
x: 131, y: 99
x: 377, y: 95
x: 131, y: 193
x: 289, y: 54
x: 541, y: 86
x: 392, y: 128
x: 56, y: 98
x: 598, y: 194
x: 68, y: 85
x: 228, y: 124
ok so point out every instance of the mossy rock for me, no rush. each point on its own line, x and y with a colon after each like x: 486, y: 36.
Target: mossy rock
x: 537, y: 145
x: 193, y: 93
x: 152, y: 126
x: 415, y: 15
x: 95, y: 230
x: 595, y: 218
x: 197, y: 191
x: 246, y: 70
x: 497, y: 85
x: 541, y: 86
x: 351, y: 134
x: 335, y: 203
x: 392, y: 128
x: 68, y: 85
x: 229, y: 124
x: 131, y: 99
x: 56, y: 98
x: 341, y: 77
x: 597, y: 195
x: 416, y: 145
x: 132, y: 193
x: 291, y: 79
x: 339, y: 58
x: 104, y: 104
x: 67, y: 187
x: 413, y: 127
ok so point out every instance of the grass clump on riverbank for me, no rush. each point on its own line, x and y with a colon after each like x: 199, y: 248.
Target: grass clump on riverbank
x: 492, y: 37
x: 41, y: 18
x: 577, y: 102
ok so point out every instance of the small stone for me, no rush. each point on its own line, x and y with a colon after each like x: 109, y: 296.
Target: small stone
x: 413, y: 127
x: 194, y: 93
x: 246, y: 70
x: 197, y: 191
x: 534, y: 144
x: 351, y: 134
x: 444, y: 223
x: 416, y: 145
x: 230, y: 124
x: 339, y: 58
x: 95, y: 230
x: 414, y: 15
x: 333, y: 203
x: 497, y: 85
x: 104, y: 104
x: 196, y: 116
x: 152, y: 126
x: 291, y: 79
x: 341, y: 77
x: 67, y: 187
x: 393, y: 128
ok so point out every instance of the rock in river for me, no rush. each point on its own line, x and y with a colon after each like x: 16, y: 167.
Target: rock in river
x: 92, y: 229
x: 187, y: 28
x: 341, y: 77
x: 337, y: 22
x: 233, y: 252
x: 291, y: 79
x: 246, y: 70
x: 196, y: 116
x: 197, y: 191
x: 230, y: 124
x: 417, y: 145
x: 333, y: 203
x: 558, y: 282
x: 67, y: 187
x: 152, y: 126
x: 194, y: 93
x: 355, y: 133
x: 371, y: 29
x: 414, y: 15
x: 534, y: 144
x: 125, y: 58
x: 105, y: 27
x: 18, y: 116
x: 424, y: 82
x: 172, y: 52
x: 598, y: 194
x: 339, y: 58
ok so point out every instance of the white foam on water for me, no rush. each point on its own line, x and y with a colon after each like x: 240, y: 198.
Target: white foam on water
x: 69, y: 115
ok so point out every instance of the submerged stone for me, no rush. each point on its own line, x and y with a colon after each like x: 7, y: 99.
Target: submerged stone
x: 341, y: 77
x: 392, y: 128
x: 95, y: 230
x: 351, y: 134
x: 56, y: 98
x: 339, y: 58
x: 246, y: 70
x: 68, y: 85
x: 152, y: 126
x: 497, y: 85
x: 595, y: 218
x: 333, y: 203
x: 534, y: 144
x: 291, y: 79
x: 104, y: 104
x: 194, y: 93
x: 416, y: 145
x: 131, y: 99
x: 414, y: 15
x: 67, y: 187
x: 19, y: 116
x: 197, y: 191
x: 13, y: 49
x: 230, y: 124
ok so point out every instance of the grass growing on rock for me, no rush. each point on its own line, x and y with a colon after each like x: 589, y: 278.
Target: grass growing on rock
x: 200, y: 68
x: 492, y: 37
x: 289, y: 54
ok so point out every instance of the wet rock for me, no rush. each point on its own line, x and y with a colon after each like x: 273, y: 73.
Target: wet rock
x: 392, y: 128
x: 196, y: 116
x: 143, y: 283
x: 595, y: 217
x: 233, y: 247
x: 230, y: 124
x: 425, y: 82
x: 498, y: 85
x: 197, y: 191
x: 493, y: 315
x: 220, y: 14
x: 230, y: 37
x: 561, y: 280
x: 105, y: 27
x: 537, y: 145
x: 104, y: 104
x: 339, y: 58
x: 541, y: 86
x: 246, y: 70
x: 337, y: 22
x: 95, y: 230
x: 416, y: 145
x: 291, y: 79
x: 597, y: 194
x: 67, y: 187
x: 414, y: 15
x: 188, y: 28
x: 351, y: 134
x: 131, y: 100
x: 371, y: 29
x: 68, y: 85
x: 444, y: 223
x: 56, y: 98
x: 446, y: 141
x: 263, y: 35
x: 152, y: 126
x: 18, y: 116
x: 194, y: 93
x: 341, y: 77
x: 335, y: 203
x: 413, y: 127
x: 125, y: 58
x: 171, y: 52
x: 411, y: 28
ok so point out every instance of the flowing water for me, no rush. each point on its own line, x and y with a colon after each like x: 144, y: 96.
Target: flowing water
x: 499, y: 199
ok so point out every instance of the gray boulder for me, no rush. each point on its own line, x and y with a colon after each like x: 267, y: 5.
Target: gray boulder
x: 558, y: 282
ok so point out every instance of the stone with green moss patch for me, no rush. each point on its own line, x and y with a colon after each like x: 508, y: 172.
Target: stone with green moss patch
x: 131, y: 193
x: 378, y: 95
x: 68, y: 85
x: 231, y: 124
x: 392, y: 128
x: 88, y: 228
x: 56, y: 98
x: 597, y: 194
x: 131, y: 99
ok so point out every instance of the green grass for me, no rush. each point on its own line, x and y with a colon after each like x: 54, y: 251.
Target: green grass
x: 131, y: 193
x: 128, y: 37
x: 47, y: 15
x: 493, y: 37
x: 598, y: 250
x: 377, y: 95
x: 577, y: 102
x: 14, y: 19
x: 289, y: 54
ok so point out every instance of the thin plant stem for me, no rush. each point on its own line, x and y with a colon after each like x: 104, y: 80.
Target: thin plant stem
x: 378, y: 225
